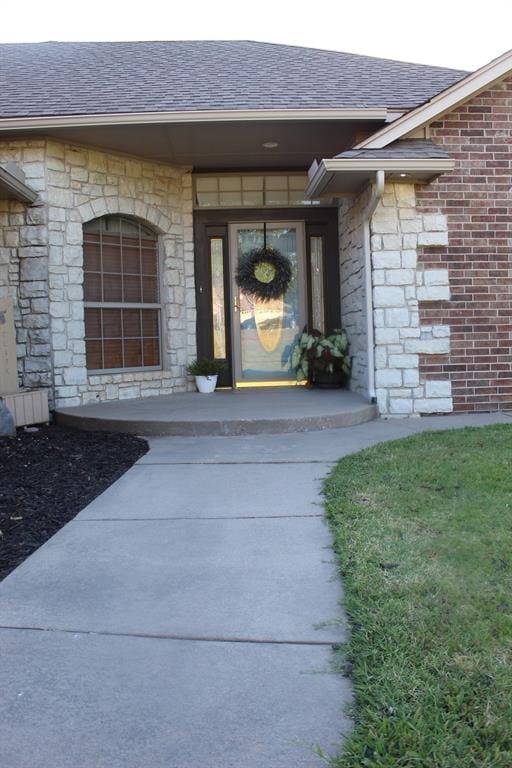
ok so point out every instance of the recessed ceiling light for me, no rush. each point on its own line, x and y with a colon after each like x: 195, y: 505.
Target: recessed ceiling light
x: 403, y: 175
x: 270, y: 144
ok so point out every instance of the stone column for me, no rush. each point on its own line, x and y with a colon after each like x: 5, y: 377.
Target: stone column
x: 398, y: 285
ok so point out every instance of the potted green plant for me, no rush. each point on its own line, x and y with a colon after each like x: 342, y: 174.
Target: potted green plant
x: 323, y: 360
x: 206, y: 373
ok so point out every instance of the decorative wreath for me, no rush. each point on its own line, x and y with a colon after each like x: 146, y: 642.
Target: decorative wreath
x: 264, y: 273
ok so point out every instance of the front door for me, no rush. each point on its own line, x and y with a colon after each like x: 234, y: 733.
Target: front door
x: 251, y: 336
x: 264, y: 331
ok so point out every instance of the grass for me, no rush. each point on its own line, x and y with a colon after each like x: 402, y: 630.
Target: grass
x: 423, y: 534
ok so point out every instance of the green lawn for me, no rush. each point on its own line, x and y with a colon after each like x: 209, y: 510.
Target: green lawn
x: 423, y: 534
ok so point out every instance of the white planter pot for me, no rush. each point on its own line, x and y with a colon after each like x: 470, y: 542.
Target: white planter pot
x: 206, y: 384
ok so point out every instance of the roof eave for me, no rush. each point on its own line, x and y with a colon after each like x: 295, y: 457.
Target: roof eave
x: 443, y: 102
x: 197, y: 116
x: 358, y: 171
x: 14, y: 188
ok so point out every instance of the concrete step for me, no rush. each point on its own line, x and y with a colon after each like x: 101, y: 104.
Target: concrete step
x: 225, y: 412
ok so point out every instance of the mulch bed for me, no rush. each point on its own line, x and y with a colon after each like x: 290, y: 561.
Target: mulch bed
x: 48, y: 476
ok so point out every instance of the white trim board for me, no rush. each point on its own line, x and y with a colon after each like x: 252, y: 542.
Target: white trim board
x: 444, y: 102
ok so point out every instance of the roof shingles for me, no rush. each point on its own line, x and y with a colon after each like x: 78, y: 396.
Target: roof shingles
x: 43, y: 79
x: 405, y: 149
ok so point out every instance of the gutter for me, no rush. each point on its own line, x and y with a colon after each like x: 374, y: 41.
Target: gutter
x: 377, y: 192
x: 15, y: 186
x: 197, y: 116
x: 319, y: 178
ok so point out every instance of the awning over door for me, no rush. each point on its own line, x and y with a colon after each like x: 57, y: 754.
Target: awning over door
x: 412, y: 160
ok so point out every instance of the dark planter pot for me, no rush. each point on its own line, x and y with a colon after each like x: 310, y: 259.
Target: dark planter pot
x: 325, y: 380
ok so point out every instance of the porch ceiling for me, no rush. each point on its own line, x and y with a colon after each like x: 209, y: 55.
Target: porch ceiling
x: 219, y: 145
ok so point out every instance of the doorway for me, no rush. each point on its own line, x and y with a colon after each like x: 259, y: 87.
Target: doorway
x: 253, y: 336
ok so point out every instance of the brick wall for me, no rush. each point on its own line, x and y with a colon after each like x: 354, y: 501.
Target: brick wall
x: 477, y: 199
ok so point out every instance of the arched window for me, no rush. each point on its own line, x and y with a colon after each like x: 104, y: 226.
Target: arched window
x: 122, y: 297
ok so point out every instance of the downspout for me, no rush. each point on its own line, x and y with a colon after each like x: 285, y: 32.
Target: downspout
x: 377, y: 192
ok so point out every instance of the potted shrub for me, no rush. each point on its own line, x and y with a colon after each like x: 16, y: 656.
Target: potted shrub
x: 206, y: 373
x: 323, y: 360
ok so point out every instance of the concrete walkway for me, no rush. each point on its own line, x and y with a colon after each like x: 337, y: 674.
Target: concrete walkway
x: 185, y: 619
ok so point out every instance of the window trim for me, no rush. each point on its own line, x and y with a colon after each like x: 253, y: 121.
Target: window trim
x: 131, y: 305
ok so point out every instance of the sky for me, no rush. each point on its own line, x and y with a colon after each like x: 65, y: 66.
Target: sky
x: 449, y: 33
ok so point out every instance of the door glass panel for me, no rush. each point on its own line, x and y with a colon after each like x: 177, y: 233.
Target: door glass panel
x: 230, y: 183
x: 218, y: 308
x: 253, y: 183
x: 230, y: 199
x: 268, y: 329
x: 317, y: 282
x: 252, y: 198
x: 269, y: 190
x: 276, y: 197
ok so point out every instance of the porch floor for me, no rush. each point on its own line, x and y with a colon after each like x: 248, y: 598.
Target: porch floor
x: 226, y: 412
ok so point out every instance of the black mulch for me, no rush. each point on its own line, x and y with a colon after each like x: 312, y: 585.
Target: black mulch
x: 48, y: 476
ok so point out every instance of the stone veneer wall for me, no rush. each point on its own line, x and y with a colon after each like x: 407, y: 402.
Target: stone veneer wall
x: 24, y: 266
x: 77, y: 184
x: 400, y: 286
x: 353, y: 293
x: 477, y: 200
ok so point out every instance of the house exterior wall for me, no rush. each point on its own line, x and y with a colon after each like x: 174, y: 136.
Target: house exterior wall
x: 440, y: 253
x: 400, y: 286
x: 476, y: 199
x: 45, y: 273
x: 352, y: 286
x: 24, y: 266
